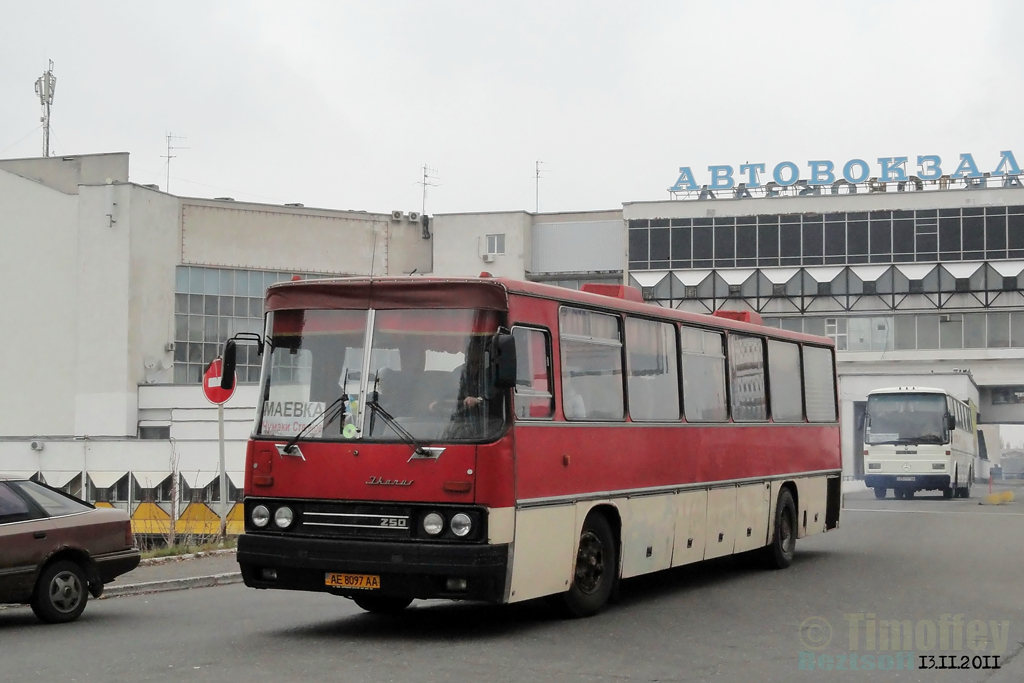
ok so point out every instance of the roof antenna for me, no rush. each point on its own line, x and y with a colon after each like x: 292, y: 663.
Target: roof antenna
x: 171, y: 138
x: 45, y: 85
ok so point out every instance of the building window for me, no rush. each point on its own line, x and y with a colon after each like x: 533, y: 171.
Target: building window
x: 212, y: 305
x: 907, y: 236
x: 496, y: 244
x: 835, y: 329
x: 163, y: 433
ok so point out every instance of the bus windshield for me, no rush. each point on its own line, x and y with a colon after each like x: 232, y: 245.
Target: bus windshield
x: 426, y: 372
x: 905, y: 418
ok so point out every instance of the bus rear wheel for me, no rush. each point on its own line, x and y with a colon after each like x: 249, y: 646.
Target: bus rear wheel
x: 965, y: 491
x: 779, y: 553
x: 597, y: 563
x: 382, y: 604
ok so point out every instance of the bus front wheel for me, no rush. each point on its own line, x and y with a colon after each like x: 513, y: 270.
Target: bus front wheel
x: 880, y: 492
x: 597, y: 562
x: 779, y: 553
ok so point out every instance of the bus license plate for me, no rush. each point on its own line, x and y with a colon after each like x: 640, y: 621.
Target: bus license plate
x: 357, y: 581
x: 906, y: 478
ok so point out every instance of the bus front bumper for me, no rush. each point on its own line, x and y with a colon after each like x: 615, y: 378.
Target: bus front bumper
x: 926, y: 482
x: 409, y: 569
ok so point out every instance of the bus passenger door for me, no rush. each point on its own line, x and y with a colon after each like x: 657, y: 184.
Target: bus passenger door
x: 721, y: 527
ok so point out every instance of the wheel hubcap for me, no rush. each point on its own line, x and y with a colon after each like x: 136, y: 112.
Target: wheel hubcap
x: 786, y: 533
x: 65, y: 592
x: 589, y: 562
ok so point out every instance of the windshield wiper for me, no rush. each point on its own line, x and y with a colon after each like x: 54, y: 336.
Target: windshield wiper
x: 289, y: 446
x: 374, y: 405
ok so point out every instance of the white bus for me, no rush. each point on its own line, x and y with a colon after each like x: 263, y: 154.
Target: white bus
x: 919, y: 439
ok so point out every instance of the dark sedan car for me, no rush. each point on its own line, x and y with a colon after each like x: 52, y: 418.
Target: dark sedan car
x: 55, y: 549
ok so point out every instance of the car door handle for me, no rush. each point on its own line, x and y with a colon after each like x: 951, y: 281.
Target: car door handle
x: 39, y: 534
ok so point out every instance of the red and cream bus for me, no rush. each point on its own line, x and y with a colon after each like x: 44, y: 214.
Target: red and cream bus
x: 490, y: 439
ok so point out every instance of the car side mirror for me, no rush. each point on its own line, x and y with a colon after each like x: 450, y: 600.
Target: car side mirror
x: 227, y: 376
x: 503, y: 360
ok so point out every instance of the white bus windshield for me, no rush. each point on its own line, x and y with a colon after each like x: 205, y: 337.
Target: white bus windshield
x: 905, y: 419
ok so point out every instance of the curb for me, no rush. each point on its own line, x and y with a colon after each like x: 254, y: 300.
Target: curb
x: 172, y: 585
x: 181, y: 558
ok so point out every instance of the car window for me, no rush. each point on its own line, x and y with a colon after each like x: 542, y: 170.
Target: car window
x: 12, y: 507
x: 52, y: 502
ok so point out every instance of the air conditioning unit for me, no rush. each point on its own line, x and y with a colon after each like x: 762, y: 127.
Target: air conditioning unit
x: 36, y: 445
x: 414, y: 217
x: 396, y: 215
x: 488, y: 258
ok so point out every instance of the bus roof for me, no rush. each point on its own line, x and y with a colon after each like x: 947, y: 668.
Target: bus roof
x: 482, y: 292
x: 909, y: 390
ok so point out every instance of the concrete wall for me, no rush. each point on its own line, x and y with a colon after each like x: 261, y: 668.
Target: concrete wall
x: 154, y: 251
x: 460, y: 240
x: 594, y: 242
x: 39, y: 262
x: 67, y: 173
x: 242, y: 235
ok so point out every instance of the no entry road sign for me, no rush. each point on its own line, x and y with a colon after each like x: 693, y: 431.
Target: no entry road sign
x: 211, y: 383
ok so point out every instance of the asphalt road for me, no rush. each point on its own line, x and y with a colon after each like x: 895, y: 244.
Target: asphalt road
x: 723, y: 621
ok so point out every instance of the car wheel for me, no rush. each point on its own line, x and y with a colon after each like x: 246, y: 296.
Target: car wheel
x: 880, y: 492
x: 597, y: 563
x: 779, y: 553
x: 382, y: 604
x: 61, y: 593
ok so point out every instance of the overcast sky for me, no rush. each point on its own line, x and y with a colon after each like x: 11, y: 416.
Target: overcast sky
x: 340, y: 104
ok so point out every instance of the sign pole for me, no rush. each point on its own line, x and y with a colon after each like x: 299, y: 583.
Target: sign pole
x: 223, y: 475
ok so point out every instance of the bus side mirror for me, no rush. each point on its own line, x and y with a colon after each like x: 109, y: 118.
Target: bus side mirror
x: 950, y: 422
x: 503, y: 360
x: 227, y: 375
x: 862, y: 421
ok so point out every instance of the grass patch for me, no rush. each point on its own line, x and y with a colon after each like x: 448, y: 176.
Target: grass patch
x: 188, y: 548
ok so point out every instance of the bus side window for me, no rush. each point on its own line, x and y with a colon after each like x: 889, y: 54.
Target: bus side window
x: 746, y: 378
x: 702, y: 355
x: 533, y: 396
x: 784, y: 381
x: 819, y: 384
x: 651, y: 367
x: 591, y: 349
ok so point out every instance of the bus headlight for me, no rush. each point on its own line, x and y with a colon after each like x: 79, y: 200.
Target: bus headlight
x: 461, y: 524
x: 283, y: 517
x: 433, y: 523
x: 260, y: 516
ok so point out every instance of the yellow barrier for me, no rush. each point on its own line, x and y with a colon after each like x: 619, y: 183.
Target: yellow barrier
x: 1000, y: 498
x: 150, y: 518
